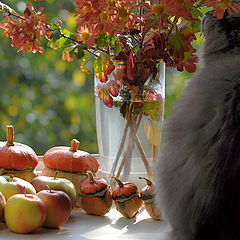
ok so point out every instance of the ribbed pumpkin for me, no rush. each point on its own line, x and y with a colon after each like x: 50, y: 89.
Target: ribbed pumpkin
x: 126, y: 198
x: 16, y: 158
x: 71, y: 163
x: 95, y: 195
x: 147, y: 195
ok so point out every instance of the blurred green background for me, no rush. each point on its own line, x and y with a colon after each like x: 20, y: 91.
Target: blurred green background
x: 49, y: 101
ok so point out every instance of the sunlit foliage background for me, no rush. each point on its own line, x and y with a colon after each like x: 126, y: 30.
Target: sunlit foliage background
x: 49, y: 101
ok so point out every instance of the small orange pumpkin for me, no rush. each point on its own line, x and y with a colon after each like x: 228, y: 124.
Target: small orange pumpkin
x: 16, y: 158
x: 70, y: 159
x: 126, y: 198
x: 71, y: 163
x: 147, y: 195
x: 95, y: 195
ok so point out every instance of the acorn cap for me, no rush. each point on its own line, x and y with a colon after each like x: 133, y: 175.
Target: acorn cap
x: 70, y: 159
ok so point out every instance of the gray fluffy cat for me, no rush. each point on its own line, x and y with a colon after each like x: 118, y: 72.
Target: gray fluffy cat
x: 198, y: 173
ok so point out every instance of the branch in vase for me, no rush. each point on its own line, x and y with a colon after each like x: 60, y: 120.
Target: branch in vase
x: 128, y: 156
x: 112, y: 172
x: 131, y: 140
x: 144, y: 157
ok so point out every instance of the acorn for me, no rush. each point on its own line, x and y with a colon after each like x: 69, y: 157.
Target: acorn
x: 126, y: 198
x: 147, y: 195
x: 95, y: 195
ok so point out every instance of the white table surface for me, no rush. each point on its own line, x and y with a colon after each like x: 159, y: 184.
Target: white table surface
x: 113, y: 226
x: 82, y: 226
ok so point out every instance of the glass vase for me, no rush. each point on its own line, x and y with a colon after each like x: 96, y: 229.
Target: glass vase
x: 129, y: 127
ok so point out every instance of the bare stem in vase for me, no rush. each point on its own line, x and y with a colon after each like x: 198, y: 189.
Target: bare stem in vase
x: 112, y: 172
x: 128, y: 162
x: 130, y: 143
x: 144, y: 157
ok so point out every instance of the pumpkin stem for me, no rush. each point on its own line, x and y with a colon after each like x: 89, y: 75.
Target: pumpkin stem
x: 74, y: 145
x: 90, y: 176
x: 10, y: 135
x: 120, y: 183
x: 55, y: 176
x: 149, y: 182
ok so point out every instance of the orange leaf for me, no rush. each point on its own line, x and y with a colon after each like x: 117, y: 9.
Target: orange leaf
x: 103, y: 66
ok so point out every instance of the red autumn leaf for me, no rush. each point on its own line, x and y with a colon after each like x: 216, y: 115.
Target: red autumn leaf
x: 179, y: 8
x: 188, y: 62
x: 112, y: 86
x: 104, y: 95
x: 130, y: 67
x: 107, y: 91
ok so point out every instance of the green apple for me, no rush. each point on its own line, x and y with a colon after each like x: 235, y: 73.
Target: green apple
x: 2, y: 206
x: 24, y: 213
x: 10, y: 186
x: 58, y: 205
x: 61, y: 184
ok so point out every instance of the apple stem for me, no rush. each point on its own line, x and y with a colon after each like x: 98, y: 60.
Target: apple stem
x: 149, y: 182
x: 50, y: 190
x: 120, y: 183
x: 55, y: 176
x: 11, y: 178
x: 90, y: 177
x: 74, y: 145
x: 10, y: 135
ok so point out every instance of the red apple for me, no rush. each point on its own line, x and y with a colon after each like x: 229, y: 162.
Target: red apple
x: 2, y: 206
x: 61, y: 184
x: 24, y: 213
x: 10, y: 185
x: 58, y: 205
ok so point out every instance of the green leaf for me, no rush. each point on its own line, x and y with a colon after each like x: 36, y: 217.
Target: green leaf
x: 78, y: 51
x: 153, y: 109
x: 196, y: 13
x: 55, y: 35
x: 196, y: 26
x: 58, y: 40
x: 55, y: 26
x: 105, y: 40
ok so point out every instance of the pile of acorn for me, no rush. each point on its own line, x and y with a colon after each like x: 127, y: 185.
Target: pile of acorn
x: 29, y: 200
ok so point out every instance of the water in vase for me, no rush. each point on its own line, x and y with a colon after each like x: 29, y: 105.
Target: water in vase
x: 137, y: 148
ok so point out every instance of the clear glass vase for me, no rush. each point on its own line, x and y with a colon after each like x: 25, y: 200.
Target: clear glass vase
x: 129, y: 129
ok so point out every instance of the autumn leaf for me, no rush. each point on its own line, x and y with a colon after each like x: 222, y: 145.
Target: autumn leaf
x: 83, y: 64
x: 107, y: 91
x: 153, y: 109
x: 176, y: 45
x: 130, y: 67
x: 189, y: 61
x: 152, y: 133
x: 103, y: 66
